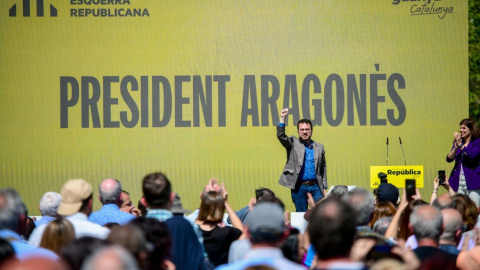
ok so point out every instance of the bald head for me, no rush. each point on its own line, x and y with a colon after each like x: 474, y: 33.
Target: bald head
x: 427, y: 222
x: 444, y: 201
x: 111, y: 258
x: 452, y: 223
x: 109, y: 191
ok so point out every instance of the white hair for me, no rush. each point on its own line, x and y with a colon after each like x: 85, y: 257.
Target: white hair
x: 427, y: 222
x: 49, y: 203
x: 362, y: 202
x: 11, y: 208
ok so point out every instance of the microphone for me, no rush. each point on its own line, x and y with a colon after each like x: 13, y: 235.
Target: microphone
x: 387, y: 151
x: 404, y: 160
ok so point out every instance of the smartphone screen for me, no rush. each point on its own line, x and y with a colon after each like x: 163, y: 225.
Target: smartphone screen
x: 441, y: 177
x: 410, y: 188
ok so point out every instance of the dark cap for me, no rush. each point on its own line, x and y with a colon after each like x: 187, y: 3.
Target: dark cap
x: 387, y: 192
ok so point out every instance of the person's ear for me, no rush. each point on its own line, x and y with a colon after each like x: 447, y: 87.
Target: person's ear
x: 22, y: 224
x: 410, y: 228
x: 144, y: 202
x: 247, y: 232
x: 458, y: 233
x: 286, y: 233
x: 90, y: 204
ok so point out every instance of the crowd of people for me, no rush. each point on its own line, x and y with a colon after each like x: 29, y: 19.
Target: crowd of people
x: 346, y: 230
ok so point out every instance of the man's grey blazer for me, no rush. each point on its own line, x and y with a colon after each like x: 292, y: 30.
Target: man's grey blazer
x: 295, y: 155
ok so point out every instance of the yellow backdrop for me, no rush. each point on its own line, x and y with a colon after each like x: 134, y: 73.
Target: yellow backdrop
x: 95, y: 89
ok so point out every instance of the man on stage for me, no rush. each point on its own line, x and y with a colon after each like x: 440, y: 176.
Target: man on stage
x: 306, y: 170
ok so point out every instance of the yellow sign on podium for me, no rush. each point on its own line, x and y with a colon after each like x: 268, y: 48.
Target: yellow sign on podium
x: 396, y: 175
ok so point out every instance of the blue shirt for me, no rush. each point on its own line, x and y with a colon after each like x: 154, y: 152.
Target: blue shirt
x: 110, y: 213
x: 263, y: 256
x: 44, y: 220
x: 309, y: 256
x: 23, y: 250
x: 450, y: 249
x: 160, y: 214
x: 308, y: 169
x: 242, y: 214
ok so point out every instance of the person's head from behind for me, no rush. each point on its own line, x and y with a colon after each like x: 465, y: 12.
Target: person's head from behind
x: 58, y: 234
x: 49, y: 203
x: 404, y: 229
x: 305, y: 129
x: 426, y: 222
x: 444, y: 201
x: 332, y: 228
x: 12, y: 211
x: 362, y: 202
x: 212, y: 208
x: 158, y: 234
x: 292, y: 247
x: 381, y: 225
x: 266, y: 224
x: 338, y: 191
x: 467, y: 209
x: 109, y: 192
x: 157, y: 191
x: 132, y: 239
x: 76, y: 197
x: 75, y: 253
x: 452, y: 226
x: 274, y: 200
x: 387, y: 192
x: 112, y: 257
x: 469, y: 129
x: 382, y: 209
x: 263, y: 192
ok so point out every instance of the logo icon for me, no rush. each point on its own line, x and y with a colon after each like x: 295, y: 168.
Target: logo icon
x: 26, y: 9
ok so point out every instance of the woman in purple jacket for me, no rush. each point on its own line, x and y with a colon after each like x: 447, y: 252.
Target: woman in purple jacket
x: 465, y: 176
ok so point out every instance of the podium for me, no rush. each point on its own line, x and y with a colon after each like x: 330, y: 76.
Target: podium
x: 396, y: 175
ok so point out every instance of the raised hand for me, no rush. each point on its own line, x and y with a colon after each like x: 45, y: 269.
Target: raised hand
x: 457, y: 137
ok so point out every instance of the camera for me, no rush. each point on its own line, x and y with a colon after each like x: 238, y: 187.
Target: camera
x: 383, y: 177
